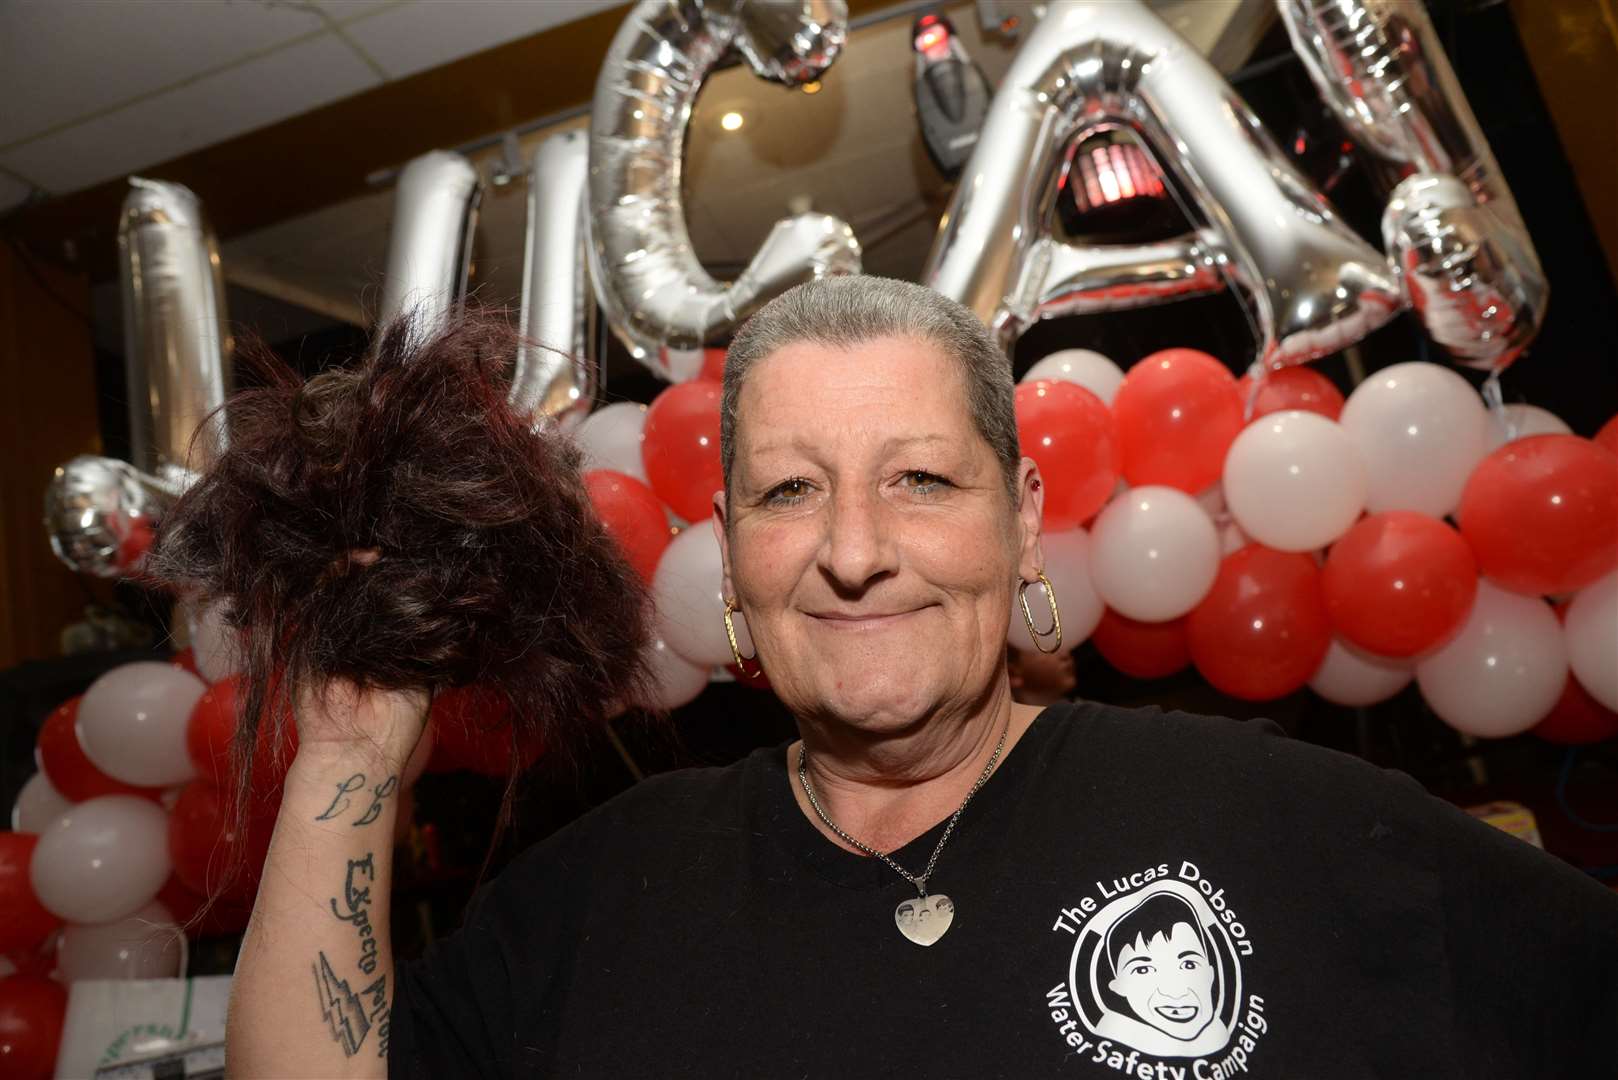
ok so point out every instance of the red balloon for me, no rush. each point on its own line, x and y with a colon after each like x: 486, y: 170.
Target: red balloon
x: 24, y: 922
x: 1541, y: 514
x: 138, y: 536
x: 214, y: 853
x: 1068, y: 432
x: 65, y: 765
x: 1296, y: 387
x: 680, y: 447
x: 212, y: 730
x: 1608, y: 435
x: 1141, y: 649
x: 32, y: 1011
x: 1577, y: 719
x: 471, y: 729
x: 713, y: 364
x: 1399, y: 583
x: 186, y: 660
x: 633, y: 515
x: 1262, y: 631
x: 199, y: 918
x: 1177, y: 411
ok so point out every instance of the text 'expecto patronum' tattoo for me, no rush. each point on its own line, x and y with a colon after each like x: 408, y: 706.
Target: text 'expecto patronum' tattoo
x: 356, y: 908
x: 351, y: 1015
x: 343, y: 800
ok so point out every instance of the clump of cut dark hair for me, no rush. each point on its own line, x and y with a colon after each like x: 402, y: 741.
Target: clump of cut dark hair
x: 491, y: 568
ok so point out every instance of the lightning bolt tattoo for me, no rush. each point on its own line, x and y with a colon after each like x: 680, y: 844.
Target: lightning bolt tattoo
x: 341, y: 1007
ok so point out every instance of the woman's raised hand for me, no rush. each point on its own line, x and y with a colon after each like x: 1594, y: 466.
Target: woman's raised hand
x: 342, y: 720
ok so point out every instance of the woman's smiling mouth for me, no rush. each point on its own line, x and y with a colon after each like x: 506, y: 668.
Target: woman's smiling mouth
x: 861, y: 620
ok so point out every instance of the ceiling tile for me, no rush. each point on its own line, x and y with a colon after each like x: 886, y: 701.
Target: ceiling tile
x: 60, y: 62
x: 422, y: 34
x: 249, y: 95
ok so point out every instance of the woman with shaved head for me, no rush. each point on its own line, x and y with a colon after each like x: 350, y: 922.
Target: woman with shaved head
x: 932, y: 880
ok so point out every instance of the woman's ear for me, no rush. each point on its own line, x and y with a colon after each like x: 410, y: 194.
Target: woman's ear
x: 1030, y: 519
x: 720, y: 533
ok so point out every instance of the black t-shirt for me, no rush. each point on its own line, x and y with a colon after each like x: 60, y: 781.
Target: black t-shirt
x: 1136, y: 894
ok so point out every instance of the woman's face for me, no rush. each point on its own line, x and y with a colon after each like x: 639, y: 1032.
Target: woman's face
x: 870, y: 538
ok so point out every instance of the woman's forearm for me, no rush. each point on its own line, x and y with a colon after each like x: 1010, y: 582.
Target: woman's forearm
x: 314, y: 983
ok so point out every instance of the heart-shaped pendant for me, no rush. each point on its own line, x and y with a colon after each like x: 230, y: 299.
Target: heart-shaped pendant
x: 924, y: 919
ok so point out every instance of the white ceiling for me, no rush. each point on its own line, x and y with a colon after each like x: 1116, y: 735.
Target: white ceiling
x: 95, y: 89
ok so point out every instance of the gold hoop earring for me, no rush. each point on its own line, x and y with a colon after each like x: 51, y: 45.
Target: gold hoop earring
x: 735, y: 649
x: 1028, y: 616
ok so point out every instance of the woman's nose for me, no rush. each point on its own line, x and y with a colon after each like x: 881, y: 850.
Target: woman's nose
x: 858, y: 546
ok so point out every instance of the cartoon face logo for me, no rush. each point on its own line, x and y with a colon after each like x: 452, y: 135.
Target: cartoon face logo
x: 1162, y: 967
x: 1156, y: 970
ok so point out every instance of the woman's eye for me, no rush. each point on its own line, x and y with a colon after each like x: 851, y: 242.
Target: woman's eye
x: 788, y: 492
x: 922, y: 482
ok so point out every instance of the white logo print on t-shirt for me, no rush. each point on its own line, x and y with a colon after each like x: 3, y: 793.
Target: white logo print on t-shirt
x: 1155, y: 978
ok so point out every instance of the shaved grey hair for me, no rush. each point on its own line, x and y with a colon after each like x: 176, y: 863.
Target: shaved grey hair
x: 842, y: 312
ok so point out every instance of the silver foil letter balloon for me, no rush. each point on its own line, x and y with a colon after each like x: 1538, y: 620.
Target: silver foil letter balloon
x: 435, y: 207
x: 1312, y: 285
x: 1466, y: 261
x: 176, y: 337
x: 556, y: 377
x: 656, y: 294
x: 101, y: 514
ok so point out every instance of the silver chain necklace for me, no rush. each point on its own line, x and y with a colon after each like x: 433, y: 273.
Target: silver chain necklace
x: 924, y: 919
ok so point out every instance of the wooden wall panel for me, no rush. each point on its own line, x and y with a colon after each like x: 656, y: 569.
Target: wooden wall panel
x: 1573, y: 45
x: 47, y: 415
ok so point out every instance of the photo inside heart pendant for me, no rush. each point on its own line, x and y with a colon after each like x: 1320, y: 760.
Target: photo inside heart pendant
x: 924, y: 919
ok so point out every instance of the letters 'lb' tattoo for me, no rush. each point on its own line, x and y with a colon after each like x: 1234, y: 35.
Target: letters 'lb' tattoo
x: 341, y: 801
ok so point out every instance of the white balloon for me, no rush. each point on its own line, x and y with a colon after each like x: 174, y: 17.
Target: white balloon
x: 105, y: 859
x: 1521, y: 421
x: 674, y: 680
x: 132, y: 723
x: 38, y: 805
x: 1067, y: 564
x: 214, y: 642
x: 145, y: 945
x: 1294, y: 481
x: 1420, y: 429
x: 1154, y: 553
x: 1089, y: 369
x: 1352, y: 676
x: 688, y: 596
x: 1592, y: 639
x: 1503, y: 672
x: 611, y: 439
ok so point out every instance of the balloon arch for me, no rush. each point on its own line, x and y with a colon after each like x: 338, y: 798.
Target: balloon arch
x: 1265, y: 530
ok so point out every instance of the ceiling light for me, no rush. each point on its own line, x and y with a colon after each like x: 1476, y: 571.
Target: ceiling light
x: 812, y: 87
x: 731, y: 121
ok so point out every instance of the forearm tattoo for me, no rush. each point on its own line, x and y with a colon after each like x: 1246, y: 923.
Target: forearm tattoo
x: 341, y: 801
x: 351, y: 1015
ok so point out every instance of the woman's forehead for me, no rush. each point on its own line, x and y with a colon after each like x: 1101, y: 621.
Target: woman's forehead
x: 817, y: 382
